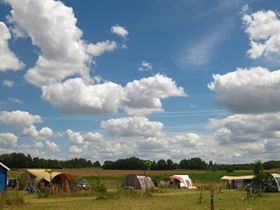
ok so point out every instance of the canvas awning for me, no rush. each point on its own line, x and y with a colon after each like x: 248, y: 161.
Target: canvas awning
x: 44, y: 174
x: 231, y: 178
x: 5, y: 167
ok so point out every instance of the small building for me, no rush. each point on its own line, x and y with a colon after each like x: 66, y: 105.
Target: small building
x: 138, y: 182
x: 182, y: 181
x: 272, y: 183
x: 236, y: 182
x: 3, y: 177
x: 44, y: 178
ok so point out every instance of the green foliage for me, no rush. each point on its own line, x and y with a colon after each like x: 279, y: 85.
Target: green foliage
x: 96, y: 164
x: 20, y: 160
x: 259, y: 176
x: 99, y: 187
x: 193, y: 163
x: 132, y: 163
x: 273, y: 164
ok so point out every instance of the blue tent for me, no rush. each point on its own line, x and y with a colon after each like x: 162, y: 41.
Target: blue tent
x: 3, y: 177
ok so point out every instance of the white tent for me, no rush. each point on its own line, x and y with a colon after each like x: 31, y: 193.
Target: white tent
x: 182, y: 181
x: 235, y: 182
x: 138, y: 182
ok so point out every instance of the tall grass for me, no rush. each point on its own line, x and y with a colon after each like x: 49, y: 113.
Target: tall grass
x: 11, y: 198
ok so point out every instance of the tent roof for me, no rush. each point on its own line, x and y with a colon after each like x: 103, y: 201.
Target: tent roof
x: 42, y: 174
x: 275, y: 175
x: 237, y: 177
x: 180, y: 177
x: 5, y: 167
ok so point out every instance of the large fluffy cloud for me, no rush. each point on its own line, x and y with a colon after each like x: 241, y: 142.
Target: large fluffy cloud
x: 8, y: 139
x: 254, y: 90
x: 19, y: 119
x: 63, y: 52
x: 244, y: 128
x: 133, y: 126
x: 76, y: 95
x: 8, y: 59
x: 83, y: 142
x: 43, y: 133
x: 144, y: 95
x: 58, y: 37
x: 263, y: 28
x: 76, y: 138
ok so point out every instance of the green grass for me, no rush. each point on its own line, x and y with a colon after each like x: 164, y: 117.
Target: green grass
x: 165, y: 200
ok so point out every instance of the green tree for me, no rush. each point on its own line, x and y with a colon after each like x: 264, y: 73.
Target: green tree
x: 259, y: 176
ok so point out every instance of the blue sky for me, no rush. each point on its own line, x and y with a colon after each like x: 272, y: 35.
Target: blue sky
x: 152, y: 79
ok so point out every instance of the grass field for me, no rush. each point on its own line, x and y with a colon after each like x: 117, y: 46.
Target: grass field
x: 162, y: 199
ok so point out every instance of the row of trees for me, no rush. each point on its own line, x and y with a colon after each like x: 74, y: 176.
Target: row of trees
x: 20, y: 160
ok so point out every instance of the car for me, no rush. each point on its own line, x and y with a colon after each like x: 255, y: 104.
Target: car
x: 81, y: 185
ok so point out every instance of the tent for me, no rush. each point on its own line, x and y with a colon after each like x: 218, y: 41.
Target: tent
x: 3, y: 177
x: 272, y: 183
x: 138, y: 182
x: 44, y: 178
x: 235, y: 182
x: 182, y: 181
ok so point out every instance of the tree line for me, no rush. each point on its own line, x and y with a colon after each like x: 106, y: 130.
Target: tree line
x: 20, y: 160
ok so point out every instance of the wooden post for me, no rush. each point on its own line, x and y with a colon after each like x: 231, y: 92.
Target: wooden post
x: 200, y: 195
x: 50, y: 173
x: 212, y: 205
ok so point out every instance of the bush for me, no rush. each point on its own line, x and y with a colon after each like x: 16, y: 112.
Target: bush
x: 99, y: 187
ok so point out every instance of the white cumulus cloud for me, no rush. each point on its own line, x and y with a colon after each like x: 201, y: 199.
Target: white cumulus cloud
x: 75, y: 149
x: 254, y: 90
x: 132, y: 126
x: 9, y: 60
x: 52, y: 146
x: 145, y: 66
x: 75, y: 95
x: 19, y: 119
x: 63, y: 52
x: 76, y: 138
x: 8, y: 83
x: 119, y: 30
x: 149, y: 92
x: 263, y: 29
x: 244, y: 128
x: 8, y: 139
x: 100, y: 48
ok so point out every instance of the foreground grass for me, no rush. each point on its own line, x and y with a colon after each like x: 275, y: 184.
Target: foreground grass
x: 164, y: 200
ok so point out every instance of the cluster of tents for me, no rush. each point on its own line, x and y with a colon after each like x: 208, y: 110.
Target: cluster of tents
x: 42, y: 179
x: 146, y: 183
x: 33, y: 179
x: 271, y: 182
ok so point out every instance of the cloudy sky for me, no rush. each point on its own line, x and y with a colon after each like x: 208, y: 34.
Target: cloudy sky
x: 153, y: 79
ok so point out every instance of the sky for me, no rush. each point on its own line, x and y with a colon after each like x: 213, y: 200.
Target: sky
x: 156, y: 79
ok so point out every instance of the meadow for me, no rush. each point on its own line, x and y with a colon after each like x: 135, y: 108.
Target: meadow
x: 160, y: 199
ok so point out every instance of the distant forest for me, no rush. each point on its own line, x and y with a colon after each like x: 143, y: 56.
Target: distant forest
x: 20, y: 160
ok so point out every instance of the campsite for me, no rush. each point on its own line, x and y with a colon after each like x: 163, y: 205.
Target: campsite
x: 139, y: 105
x: 156, y: 198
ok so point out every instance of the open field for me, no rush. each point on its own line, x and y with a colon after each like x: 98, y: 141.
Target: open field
x: 166, y: 200
x: 163, y: 199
